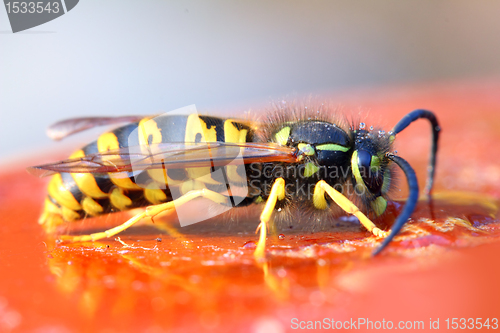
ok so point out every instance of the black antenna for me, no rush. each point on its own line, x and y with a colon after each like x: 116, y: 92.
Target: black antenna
x: 411, y: 202
x: 407, y: 120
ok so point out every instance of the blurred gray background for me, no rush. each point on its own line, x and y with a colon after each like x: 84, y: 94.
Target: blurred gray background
x: 144, y: 57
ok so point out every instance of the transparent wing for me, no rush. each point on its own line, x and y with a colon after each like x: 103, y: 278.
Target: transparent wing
x: 68, y: 127
x: 169, y: 156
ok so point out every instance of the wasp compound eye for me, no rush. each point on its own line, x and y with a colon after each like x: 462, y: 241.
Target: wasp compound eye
x: 368, y: 171
x: 364, y: 160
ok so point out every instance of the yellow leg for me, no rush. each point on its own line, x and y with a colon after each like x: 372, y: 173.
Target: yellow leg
x: 164, y: 225
x: 277, y: 193
x: 150, y: 211
x: 344, y: 203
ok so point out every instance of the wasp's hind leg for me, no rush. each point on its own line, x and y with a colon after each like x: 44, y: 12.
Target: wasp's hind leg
x: 344, y: 203
x: 151, y: 212
x: 277, y: 193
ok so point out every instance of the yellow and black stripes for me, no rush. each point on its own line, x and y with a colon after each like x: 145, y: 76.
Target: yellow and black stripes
x: 72, y: 196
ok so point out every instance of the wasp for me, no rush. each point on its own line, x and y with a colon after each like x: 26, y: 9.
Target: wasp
x: 299, y: 158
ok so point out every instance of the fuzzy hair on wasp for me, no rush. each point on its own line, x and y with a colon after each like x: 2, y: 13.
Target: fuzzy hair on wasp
x: 299, y: 158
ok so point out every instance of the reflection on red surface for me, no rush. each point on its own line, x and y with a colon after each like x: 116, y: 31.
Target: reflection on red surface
x: 444, y: 265
x: 213, y: 281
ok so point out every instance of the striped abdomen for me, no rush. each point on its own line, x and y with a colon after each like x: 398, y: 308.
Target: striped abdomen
x: 72, y: 196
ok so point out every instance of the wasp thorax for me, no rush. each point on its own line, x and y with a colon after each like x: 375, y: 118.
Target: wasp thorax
x: 324, y: 142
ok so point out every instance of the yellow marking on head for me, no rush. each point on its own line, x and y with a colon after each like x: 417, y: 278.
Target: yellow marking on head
x: 59, y: 192
x: 332, y: 147
x: 86, y: 181
x: 119, y: 200
x: 154, y: 195
x: 355, y: 169
x: 310, y: 169
x: 375, y: 162
x: 259, y: 199
x: 91, y: 207
x: 149, y: 128
x: 379, y: 205
x: 386, y: 183
x: 282, y: 136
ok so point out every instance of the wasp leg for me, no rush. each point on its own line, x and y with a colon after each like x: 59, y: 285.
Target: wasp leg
x: 277, y: 193
x: 150, y: 211
x: 104, y: 234
x: 344, y: 203
x: 166, y: 227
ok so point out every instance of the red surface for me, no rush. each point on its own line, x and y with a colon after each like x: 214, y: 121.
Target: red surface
x: 439, y: 268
